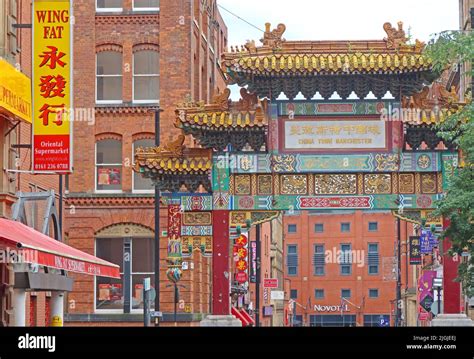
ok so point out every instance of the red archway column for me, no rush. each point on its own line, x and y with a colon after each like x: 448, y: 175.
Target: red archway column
x: 220, y: 263
x: 452, y: 289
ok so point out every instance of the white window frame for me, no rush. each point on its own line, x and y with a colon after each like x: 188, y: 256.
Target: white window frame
x: 96, y: 165
x: 139, y: 9
x: 119, y: 311
x: 107, y: 102
x: 143, y: 75
x: 108, y: 9
x: 138, y: 191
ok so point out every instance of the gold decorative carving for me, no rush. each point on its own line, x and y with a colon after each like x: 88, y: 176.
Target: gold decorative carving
x: 394, y: 182
x: 239, y: 218
x: 417, y: 182
x: 201, y: 244
x: 264, y: 185
x: 125, y: 230
x: 335, y: 184
x: 197, y: 219
x: 243, y: 185
x: 273, y: 38
x: 395, y: 37
x: 428, y: 183
x: 294, y: 184
x: 254, y: 184
x: 406, y: 183
x: 360, y: 183
x: 378, y: 183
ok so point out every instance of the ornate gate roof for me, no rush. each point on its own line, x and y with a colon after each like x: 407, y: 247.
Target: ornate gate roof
x: 391, y: 64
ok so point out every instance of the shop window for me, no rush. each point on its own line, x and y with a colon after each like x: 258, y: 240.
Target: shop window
x: 146, y: 77
x: 140, y: 183
x: 109, y: 77
x: 109, y: 165
x: 110, y: 293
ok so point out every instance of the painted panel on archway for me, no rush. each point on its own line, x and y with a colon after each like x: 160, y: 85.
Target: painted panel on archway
x: 340, y: 134
x: 312, y: 163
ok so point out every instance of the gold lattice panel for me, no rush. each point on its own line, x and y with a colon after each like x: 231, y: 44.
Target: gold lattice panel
x: 294, y: 184
x: 378, y: 183
x: 406, y: 183
x: 243, y: 185
x: 335, y: 184
x: 428, y: 183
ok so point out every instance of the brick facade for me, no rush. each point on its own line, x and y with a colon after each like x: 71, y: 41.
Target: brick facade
x: 18, y: 53
x: 178, y: 31
x: 305, y: 282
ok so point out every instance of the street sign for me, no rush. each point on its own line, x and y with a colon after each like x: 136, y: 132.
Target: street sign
x: 241, y: 277
x: 426, y: 303
x: 415, y: 250
x: 146, y: 284
x: 270, y: 283
x: 277, y: 295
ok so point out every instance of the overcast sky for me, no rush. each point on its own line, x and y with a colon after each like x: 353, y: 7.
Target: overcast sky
x: 338, y: 19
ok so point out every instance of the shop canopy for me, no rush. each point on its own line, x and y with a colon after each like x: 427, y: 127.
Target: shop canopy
x: 31, y: 246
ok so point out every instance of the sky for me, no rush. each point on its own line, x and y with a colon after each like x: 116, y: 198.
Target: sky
x: 336, y: 19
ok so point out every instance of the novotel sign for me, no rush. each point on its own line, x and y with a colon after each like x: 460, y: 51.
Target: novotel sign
x: 330, y: 308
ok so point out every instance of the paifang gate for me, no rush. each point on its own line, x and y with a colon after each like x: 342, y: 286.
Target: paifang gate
x: 261, y: 155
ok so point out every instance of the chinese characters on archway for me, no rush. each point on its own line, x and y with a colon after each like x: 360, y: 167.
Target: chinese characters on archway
x: 52, y: 106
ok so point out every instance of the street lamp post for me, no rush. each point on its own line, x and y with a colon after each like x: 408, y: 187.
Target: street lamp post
x: 157, y: 222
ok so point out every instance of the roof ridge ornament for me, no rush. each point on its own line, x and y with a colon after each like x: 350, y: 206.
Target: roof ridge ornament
x: 396, y: 37
x: 273, y: 38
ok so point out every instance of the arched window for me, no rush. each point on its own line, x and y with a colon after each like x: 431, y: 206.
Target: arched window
x: 109, y: 77
x: 108, y: 165
x: 146, y: 76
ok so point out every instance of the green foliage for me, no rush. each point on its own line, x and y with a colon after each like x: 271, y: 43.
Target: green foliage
x: 447, y: 49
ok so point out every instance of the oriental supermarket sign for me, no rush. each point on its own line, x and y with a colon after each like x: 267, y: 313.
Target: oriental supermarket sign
x: 52, y: 86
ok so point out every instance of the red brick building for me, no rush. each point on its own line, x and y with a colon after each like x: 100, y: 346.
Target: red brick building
x: 340, y: 267
x: 15, y: 52
x: 133, y: 57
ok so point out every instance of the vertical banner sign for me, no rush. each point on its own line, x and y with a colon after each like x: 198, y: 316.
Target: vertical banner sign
x: 415, y: 250
x: 175, y: 255
x: 253, y: 262
x: 52, y: 86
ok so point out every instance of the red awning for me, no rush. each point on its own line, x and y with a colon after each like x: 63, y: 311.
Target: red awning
x: 247, y: 317
x: 31, y: 246
x: 239, y: 316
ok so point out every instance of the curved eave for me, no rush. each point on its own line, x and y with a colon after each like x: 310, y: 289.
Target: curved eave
x: 326, y: 64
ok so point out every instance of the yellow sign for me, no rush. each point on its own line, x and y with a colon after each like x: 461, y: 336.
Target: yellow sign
x: 56, y: 321
x: 52, y: 97
x: 15, y: 91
